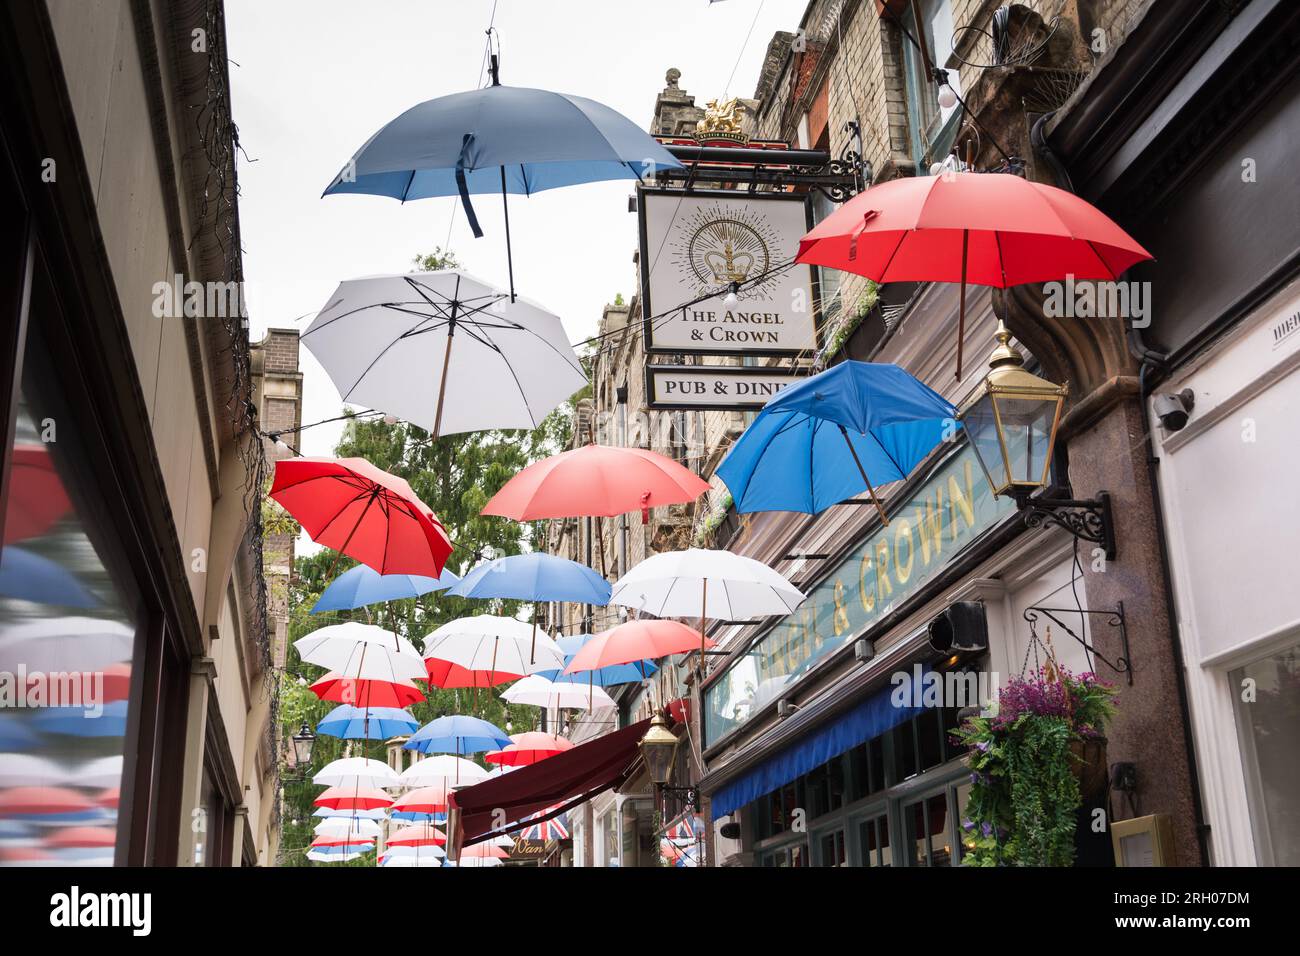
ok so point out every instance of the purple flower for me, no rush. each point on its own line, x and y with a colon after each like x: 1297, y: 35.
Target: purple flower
x: 986, y: 829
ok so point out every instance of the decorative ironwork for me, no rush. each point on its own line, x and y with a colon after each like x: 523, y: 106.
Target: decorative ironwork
x: 1112, y: 617
x: 839, y: 179
x: 1087, y: 519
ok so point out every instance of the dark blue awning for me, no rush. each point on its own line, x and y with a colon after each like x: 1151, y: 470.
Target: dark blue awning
x: 871, y: 718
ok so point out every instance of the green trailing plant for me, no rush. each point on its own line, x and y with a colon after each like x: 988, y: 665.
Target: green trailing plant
x: 849, y: 321
x: 1024, y: 783
x: 714, y: 520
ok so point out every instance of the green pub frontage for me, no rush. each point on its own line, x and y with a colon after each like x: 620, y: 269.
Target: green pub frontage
x: 825, y: 741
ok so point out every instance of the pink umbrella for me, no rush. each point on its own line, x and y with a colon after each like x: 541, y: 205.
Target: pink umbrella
x: 528, y: 748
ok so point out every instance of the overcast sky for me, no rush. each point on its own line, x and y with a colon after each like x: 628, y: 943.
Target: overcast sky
x: 313, y: 79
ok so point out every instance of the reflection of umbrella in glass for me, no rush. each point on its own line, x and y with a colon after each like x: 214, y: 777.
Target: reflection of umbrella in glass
x: 37, y: 498
x: 33, y: 577
x: 82, y: 722
x: 100, y: 773
x: 83, y: 837
x: 27, y: 770
x: 444, y: 351
x: 362, y: 585
x: 21, y: 801
x: 504, y: 139
x: 15, y: 735
x: 58, y: 644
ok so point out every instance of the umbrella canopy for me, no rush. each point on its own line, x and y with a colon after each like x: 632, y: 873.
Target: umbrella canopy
x: 370, y: 723
x: 432, y: 799
x: 447, y: 675
x: 37, y: 498
x: 596, y: 480
x: 444, y: 770
x: 418, y: 834
x: 351, y: 506
x: 58, y: 644
x: 841, y: 432
x: 350, y: 827
x: 457, y: 734
x: 483, y: 851
x: 404, y: 855
x: 363, y: 585
x: 540, y: 692
x: 330, y: 840
x: 634, y: 641
x: 702, y: 583
x: 360, y: 771
x: 374, y: 813
x: 18, y: 801
x: 362, y: 651
x: 991, y: 229
x: 490, y: 643
x: 444, y: 351
x: 528, y: 748
x: 28, y: 770
x: 340, y: 854
x: 83, y: 837
x: 534, y: 577
x: 28, y: 576
x: 366, y: 693
x: 353, y: 797
x: 83, y: 722
x: 631, y: 673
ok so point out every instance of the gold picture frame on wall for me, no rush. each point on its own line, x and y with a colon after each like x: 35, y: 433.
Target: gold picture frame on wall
x: 1143, y: 841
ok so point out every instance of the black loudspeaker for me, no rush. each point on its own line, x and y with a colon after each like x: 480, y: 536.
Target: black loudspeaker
x: 730, y: 830
x: 960, y: 628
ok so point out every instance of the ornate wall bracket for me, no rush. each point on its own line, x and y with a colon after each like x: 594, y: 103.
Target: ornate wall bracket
x: 1114, y: 618
x: 1086, y: 519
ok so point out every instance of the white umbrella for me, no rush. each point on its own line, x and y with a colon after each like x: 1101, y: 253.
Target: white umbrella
x: 700, y: 583
x: 486, y: 642
x: 378, y: 813
x: 359, y: 771
x: 322, y: 856
x: 361, y: 651
x: 347, y: 827
x: 428, y: 851
x: 27, y: 770
x: 444, y: 351
x: 442, y: 769
x: 66, y: 644
x: 104, y: 772
x: 412, y: 861
x: 540, y: 692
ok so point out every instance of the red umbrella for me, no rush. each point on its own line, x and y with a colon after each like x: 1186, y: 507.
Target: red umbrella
x: 361, y: 692
x: 109, y: 797
x: 484, y: 851
x: 353, y: 798
x: 447, y: 675
x: 21, y: 800
x: 528, y: 748
x: 421, y: 834
x: 343, y: 841
x: 636, y: 641
x: 992, y: 229
x: 596, y: 480
x: 37, y: 498
x: 351, y: 506
x: 83, y: 837
x: 422, y: 800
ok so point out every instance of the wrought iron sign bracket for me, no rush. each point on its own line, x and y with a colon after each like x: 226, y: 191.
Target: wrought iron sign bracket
x: 839, y: 179
x: 1114, y: 618
x: 689, y: 796
x: 1086, y: 519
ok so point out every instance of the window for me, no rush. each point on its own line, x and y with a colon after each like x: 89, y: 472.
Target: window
x: 1268, y: 722
x: 830, y: 849
x: 928, y: 827
x: 873, y: 841
x: 932, y: 128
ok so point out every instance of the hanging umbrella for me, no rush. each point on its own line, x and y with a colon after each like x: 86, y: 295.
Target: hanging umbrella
x: 631, y: 673
x: 596, y: 480
x: 21, y: 801
x: 83, y: 721
x: 59, y: 644
x: 486, y: 850
x: 83, y: 837
x: 442, y: 770
x: 15, y: 734
x: 28, y: 770
x: 37, y: 498
x: 810, y: 444
x: 418, y: 834
x: 374, y: 813
x: 528, y: 748
x: 426, y: 853
x: 457, y: 734
x: 426, y: 800
x: 98, y: 773
x: 447, y: 675
x: 541, y: 692
x: 353, y: 796
x: 370, y: 723
x: 338, y: 854
x: 991, y: 229
x: 351, y: 506
x: 444, y: 351
x: 500, y: 139
x: 28, y: 576
x: 490, y: 643
x: 634, y: 641
x: 360, y: 771
x: 534, y: 577
x: 366, y: 693
x: 361, y: 651
x: 347, y: 827
x: 362, y: 585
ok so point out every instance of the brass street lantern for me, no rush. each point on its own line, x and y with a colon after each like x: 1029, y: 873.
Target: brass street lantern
x: 303, y: 741
x: 659, y: 751
x: 1012, y: 421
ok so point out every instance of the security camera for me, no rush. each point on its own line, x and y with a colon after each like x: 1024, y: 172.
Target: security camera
x: 1173, y: 410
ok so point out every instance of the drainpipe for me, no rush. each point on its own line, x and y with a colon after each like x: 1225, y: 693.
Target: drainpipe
x: 621, y: 393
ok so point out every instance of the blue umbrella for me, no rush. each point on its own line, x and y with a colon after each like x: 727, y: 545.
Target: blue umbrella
x: 79, y: 722
x: 457, y: 734
x: 33, y: 577
x: 856, y: 425
x: 502, y: 139
x: 15, y: 735
x: 370, y: 723
x: 364, y: 585
x: 631, y: 673
x: 535, y: 577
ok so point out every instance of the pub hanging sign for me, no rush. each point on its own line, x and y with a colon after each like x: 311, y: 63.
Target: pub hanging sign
x: 707, y: 387
x: 697, y: 243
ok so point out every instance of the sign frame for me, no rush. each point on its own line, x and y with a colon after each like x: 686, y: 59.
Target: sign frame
x: 647, y: 306
x: 795, y: 373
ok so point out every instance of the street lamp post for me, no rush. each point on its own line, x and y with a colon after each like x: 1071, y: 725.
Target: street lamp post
x: 303, y: 741
x: 1012, y: 422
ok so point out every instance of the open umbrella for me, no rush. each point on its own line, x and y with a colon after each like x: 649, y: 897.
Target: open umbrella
x: 596, y: 480
x: 457, y: 734
x: 348, y: 827
x: 28, y: 576
x: 444, y: 351
x: 361, y: 651
x: 991, y: 229
x: 528, y: 748
x: 362, y: 585
x: 430, y: 800
x: 360, y: 771
x: 374, y: 813
x: 351, y: 506
x: 366, y: 693
x: 541, y: 692
x: 810, y: 444
x: 499, y: 139
x: 444, y: 769
x: 447, y: 675
x: 634, y: 641
x: 353, y: 796
x: 58, y: 644
x: 370, y: 723
x: 632, y: 672
x: 418, y: 834
x: 36, y: 496
x: 491, y: 643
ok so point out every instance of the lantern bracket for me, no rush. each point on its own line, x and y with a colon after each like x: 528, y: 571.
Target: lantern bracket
x: 1115, y: 618
x: 1087, y: 519
x: 689, y: 796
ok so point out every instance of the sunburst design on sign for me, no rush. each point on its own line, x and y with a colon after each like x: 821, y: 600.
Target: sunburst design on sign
x: 719, y: 244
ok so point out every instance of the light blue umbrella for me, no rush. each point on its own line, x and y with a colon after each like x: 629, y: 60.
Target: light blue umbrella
x: 632, y: 673
x: 500, y: 139
x: 457, y: 734
x: 78, y: 722
x: 15, y: 735
x: 369, y: 723
x: 834, y: 435
x: 535, y: 577
x: 364, y: 585
x: 33, y: 577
